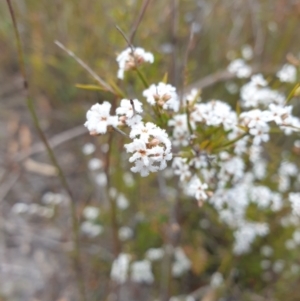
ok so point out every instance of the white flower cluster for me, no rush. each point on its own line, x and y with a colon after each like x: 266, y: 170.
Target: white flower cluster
x: 163, y: 95
x: 230, y: 180
x: 182, y: 264
x: 239, y: 68
x: 288, y: 73
x: 151, y: 148
x: 129, y: 111
x: 256, y: 93
x: 131, y: 58
x: 246, y: 234
x: 99, y: 118
x: 89, y: 227
x: 214, y: 113
x: 141, y: 271
x: 32, y: 210
x: 294, y: 198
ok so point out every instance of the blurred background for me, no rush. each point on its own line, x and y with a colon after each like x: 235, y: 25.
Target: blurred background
x: 35, y: 226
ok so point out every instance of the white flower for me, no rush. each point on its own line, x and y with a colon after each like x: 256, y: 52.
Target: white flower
x: 155, y: 254
x: 88, y: 148
x: 239, y: 68
x: 128, y: 112
x: 95, y: 164
x: 119, y: 269
x: 50, y: 198
x: 151, y: 148
x: 256, y: 121
x: 98, y: 118
x: 140, y: 150
x: 129, y: 60
x: 122, y: 202
x: 214, y: 113
x: 266, y: 251
x: 294, y: 198
x: 125, y: 233
x: 90, y: 212
x: 181, y: 168
x: 288, y: 73
x: 20, y: 208
x: 141, y: 272
x: 246, y: 234
x: 182, y: 264
x: 279, y: 114
x: 256, y: 93
x: 91, y: 229
x: 216, y: 279
x: 278, y: 266
x: 247, y: 52
x: 164, y: 95
x: 181, y: 133
x: 197, y: 189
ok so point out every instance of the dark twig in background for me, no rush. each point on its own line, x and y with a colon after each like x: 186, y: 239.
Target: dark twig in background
x: 138, y: 20
x: 31, y: 108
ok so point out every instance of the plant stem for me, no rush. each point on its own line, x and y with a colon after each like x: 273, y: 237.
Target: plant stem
x: 142, y: 78
x: 112, y: 202
x: 33, y: 113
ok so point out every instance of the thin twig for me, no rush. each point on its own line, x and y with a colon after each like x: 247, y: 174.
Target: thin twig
x: 174, y: 41
x: 112, y: 202
x: 120, y: 132
x: 86, y: 67
x: 34, y: 116
x: 185, y: 60
x: 127, y: 40
x: 54, y: 141
x: 140, y: 74
x: 138, y: 20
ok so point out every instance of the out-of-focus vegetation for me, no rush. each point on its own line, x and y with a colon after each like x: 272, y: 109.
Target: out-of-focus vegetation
x: 88, y: 28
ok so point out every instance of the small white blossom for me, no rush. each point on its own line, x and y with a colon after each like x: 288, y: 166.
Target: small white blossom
x: 247, y: 52
x: 164, y: 95
x: 90, y: 229
x: 279, y: 114
x: 129, y: 111
x: 239, y: 68
x: 141, y: 272
x: 181, y: 168
x: 288, y: 73
x: 91, y: 213
x: 181, y: 133
x: 88, y: 148
x: 99, y: 118
x: 246, y: 234
x: 119, y: 269
x: 122, y: 202
x: 151, y: 148
x: 155, y: 254
x: 267, y: 251
x: 95, y: 164
x: 197, y: 189
x: 294, y: 198
x: 20, y: 208
x: 182, y: 263
x: 216, y: 280
x: 125, y: 233
x: 129, y: 60
x: 278, y: 266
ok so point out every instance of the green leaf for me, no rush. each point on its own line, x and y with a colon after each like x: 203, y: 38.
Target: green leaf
x: 165, y: 78
x: 295, y: 92
x: 90, y: 87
